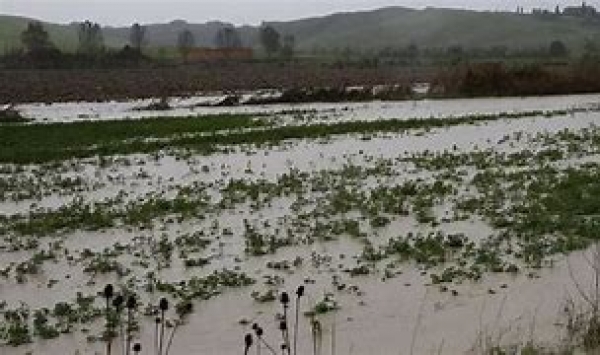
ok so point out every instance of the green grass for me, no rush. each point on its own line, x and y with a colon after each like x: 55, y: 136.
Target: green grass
x: 44, y: 142
x: 41, y: 143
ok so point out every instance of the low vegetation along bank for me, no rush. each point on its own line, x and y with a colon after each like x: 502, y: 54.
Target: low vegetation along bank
x: 523, y: 80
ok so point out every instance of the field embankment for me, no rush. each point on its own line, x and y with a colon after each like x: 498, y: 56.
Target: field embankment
x: 122, y: 84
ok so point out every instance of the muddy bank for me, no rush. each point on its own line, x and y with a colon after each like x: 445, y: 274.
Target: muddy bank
x: 22, y: 86
x: 317, y: 95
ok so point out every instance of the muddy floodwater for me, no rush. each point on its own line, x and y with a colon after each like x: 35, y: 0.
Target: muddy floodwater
x: 420, y: 241
x: 377, y: 110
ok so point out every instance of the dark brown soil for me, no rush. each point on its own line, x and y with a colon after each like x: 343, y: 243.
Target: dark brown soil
x: 21, y: 86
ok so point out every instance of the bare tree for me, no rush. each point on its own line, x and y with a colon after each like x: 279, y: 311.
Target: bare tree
x: 35, y: 38
x: 270, y: 40
x: 289, y: 46
x: 91, y: 41
x: 228, y: 37
x: 137, y: 36
x: 185, y: 43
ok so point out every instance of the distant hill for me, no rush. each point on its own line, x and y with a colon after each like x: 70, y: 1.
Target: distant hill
x: 387, y: 27
x: 159, y: 35
x: 64, y: 36
x: 439, y: 28
x: 12, y: 26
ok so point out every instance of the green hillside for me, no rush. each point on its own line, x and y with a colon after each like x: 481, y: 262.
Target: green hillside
x: 439, y: 28
x: 11, y: 28
x: 429, y: 28
x: 64, y: 36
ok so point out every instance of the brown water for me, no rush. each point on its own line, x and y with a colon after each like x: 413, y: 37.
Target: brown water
x: 401, y: 315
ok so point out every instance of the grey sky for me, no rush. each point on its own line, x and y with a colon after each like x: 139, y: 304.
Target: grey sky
x: 123, y: 12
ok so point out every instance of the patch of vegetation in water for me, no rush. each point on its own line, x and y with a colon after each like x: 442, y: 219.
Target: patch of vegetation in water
x: 536, y: 206
x: 38, y: 143
x: 41, y: 143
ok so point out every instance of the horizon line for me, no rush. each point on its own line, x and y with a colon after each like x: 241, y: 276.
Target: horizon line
x: 303, y: 18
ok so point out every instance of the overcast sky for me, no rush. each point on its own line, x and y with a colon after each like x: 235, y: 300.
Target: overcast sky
x: 124, y: 12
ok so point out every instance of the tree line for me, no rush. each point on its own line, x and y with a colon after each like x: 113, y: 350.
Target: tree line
x: 38, y: 49
x: 228, y: 37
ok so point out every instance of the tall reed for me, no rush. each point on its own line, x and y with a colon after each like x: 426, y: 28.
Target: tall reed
x: 247, y: 343
x: 163, y: 305
x: 108, y: 294
x: 299, y: 294
x: 285, y: 302
x: 131, y: 305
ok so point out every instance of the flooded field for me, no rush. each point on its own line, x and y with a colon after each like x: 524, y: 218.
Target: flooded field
x: 377, y: 110
x: 425, y: 227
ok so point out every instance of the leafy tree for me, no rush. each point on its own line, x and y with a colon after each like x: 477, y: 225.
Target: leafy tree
x: 185, y: 43
x: 558, y: 49
x: 137, y: 36
x: 289, y: 46
x: 35, y: 38
x: 270, y: 40
x: 228, y: 37
x: 91, y: 41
